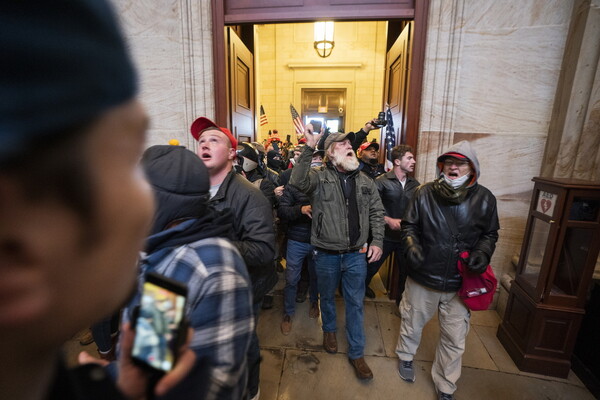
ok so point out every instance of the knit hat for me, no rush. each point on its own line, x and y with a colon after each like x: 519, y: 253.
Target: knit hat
x: 180, y: 181
x: 63, y: 63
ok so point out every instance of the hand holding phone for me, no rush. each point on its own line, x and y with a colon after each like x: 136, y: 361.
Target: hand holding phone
x: 316, y: 126
x: 159, y: 323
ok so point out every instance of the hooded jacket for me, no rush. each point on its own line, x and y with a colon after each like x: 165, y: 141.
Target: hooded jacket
x: 424, y: 223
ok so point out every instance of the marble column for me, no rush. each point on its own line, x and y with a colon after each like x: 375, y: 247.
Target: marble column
x: 573, y: 146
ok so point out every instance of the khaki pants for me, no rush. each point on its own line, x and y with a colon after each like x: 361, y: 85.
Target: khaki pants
x: 417, y: 307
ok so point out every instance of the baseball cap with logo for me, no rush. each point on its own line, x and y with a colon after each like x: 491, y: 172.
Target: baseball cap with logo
x: 202, y: 124
x: 366, y: 145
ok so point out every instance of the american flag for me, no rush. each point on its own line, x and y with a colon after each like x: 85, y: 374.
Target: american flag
x: 297, y: 120
x: 390, y: 139
x: 263, y: 116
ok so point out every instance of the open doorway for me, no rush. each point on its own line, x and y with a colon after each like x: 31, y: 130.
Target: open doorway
x: 244, y: 15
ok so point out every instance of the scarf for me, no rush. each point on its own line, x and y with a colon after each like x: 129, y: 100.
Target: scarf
x: 448, y: 193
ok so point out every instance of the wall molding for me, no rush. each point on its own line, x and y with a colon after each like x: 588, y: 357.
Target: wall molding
x: 323, y: 66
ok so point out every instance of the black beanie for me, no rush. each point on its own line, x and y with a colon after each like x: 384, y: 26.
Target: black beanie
x: 63, y: 62
x: 180, y: 181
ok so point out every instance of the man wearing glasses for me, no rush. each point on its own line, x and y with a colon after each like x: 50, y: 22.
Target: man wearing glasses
x: 454, y: 202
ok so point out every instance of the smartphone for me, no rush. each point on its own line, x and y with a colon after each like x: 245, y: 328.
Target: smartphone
x: 316, y: 126
x: 160, y: 327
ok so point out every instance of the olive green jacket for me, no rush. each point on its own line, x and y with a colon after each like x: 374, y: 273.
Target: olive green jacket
x: 329, y: 209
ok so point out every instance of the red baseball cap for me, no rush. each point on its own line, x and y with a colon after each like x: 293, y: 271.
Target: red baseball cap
x: 453, y: 155
x: 201, y: 124
x: 366, y: 145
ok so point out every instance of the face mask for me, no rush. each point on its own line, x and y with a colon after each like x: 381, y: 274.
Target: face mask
x: 249, y: 165
x: 456, y: 183
x: 316, y: 164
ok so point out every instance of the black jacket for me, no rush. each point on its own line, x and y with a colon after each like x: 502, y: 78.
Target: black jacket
x: 395, y: 199
x: 254, y: 231
x: 284, y: 176
x: 273, y: 176
x: 372, y: 171
x: 290, y: 206
x: 424, y: 222
x: 265, y: 185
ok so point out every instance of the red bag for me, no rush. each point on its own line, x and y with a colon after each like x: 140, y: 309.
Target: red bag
x: 477, y: 290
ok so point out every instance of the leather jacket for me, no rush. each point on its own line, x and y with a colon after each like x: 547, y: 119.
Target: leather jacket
x: 395, y: 198
x: 476, y: 218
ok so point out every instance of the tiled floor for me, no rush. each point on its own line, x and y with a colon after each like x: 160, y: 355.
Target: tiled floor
x: 295, y: 367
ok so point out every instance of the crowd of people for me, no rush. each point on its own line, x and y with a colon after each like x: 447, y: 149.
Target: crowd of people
x: 86, y: 214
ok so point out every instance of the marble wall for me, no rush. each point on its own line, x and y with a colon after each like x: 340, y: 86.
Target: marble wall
x: 491, y: 74
x: 171, y: 43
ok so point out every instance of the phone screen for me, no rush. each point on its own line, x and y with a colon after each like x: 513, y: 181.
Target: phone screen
x: 157, y: 326
x: 316, y: 126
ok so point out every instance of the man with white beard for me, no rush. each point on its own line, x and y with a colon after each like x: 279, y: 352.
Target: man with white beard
x: 345, y: 206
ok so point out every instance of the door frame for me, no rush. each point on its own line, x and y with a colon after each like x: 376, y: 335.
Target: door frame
x: 417, y: 64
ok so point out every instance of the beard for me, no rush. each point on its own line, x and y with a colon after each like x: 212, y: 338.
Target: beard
x: 345, y: 160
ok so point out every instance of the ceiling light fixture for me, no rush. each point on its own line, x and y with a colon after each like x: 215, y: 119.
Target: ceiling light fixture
x: 324, y: 38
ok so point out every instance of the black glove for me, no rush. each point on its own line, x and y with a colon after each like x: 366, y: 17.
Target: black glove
x: 414, y: 253
x: 478, y: 262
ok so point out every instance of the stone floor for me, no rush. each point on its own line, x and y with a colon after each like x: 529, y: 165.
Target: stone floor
x: 295, y: 367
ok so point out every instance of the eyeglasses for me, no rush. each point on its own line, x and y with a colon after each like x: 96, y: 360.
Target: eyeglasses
x: 449, y: 162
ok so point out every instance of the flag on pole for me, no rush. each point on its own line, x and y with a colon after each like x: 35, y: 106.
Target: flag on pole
x: 263, y: 116
x: 390, y: 139
x: 297, y: 120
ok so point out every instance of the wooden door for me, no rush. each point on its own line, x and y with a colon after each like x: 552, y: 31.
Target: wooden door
x: 241, y: 87
x: 396, y: 87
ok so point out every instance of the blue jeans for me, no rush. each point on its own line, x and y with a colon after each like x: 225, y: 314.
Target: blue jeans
x: 351, y: 268
x: 296, y: 253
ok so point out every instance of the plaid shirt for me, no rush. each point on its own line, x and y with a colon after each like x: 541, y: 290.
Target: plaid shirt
x: 219, y: 309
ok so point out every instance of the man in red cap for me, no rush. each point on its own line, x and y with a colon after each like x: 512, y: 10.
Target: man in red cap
x: 254, y: 234
x: 368, y: 154
x: 454, y: 202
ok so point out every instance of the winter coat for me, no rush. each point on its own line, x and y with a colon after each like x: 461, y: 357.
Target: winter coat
x: 290, y: 212
x: 253, y: 225
x: 395, y: 198
x: 329, y: 209
x: 424, y: 222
